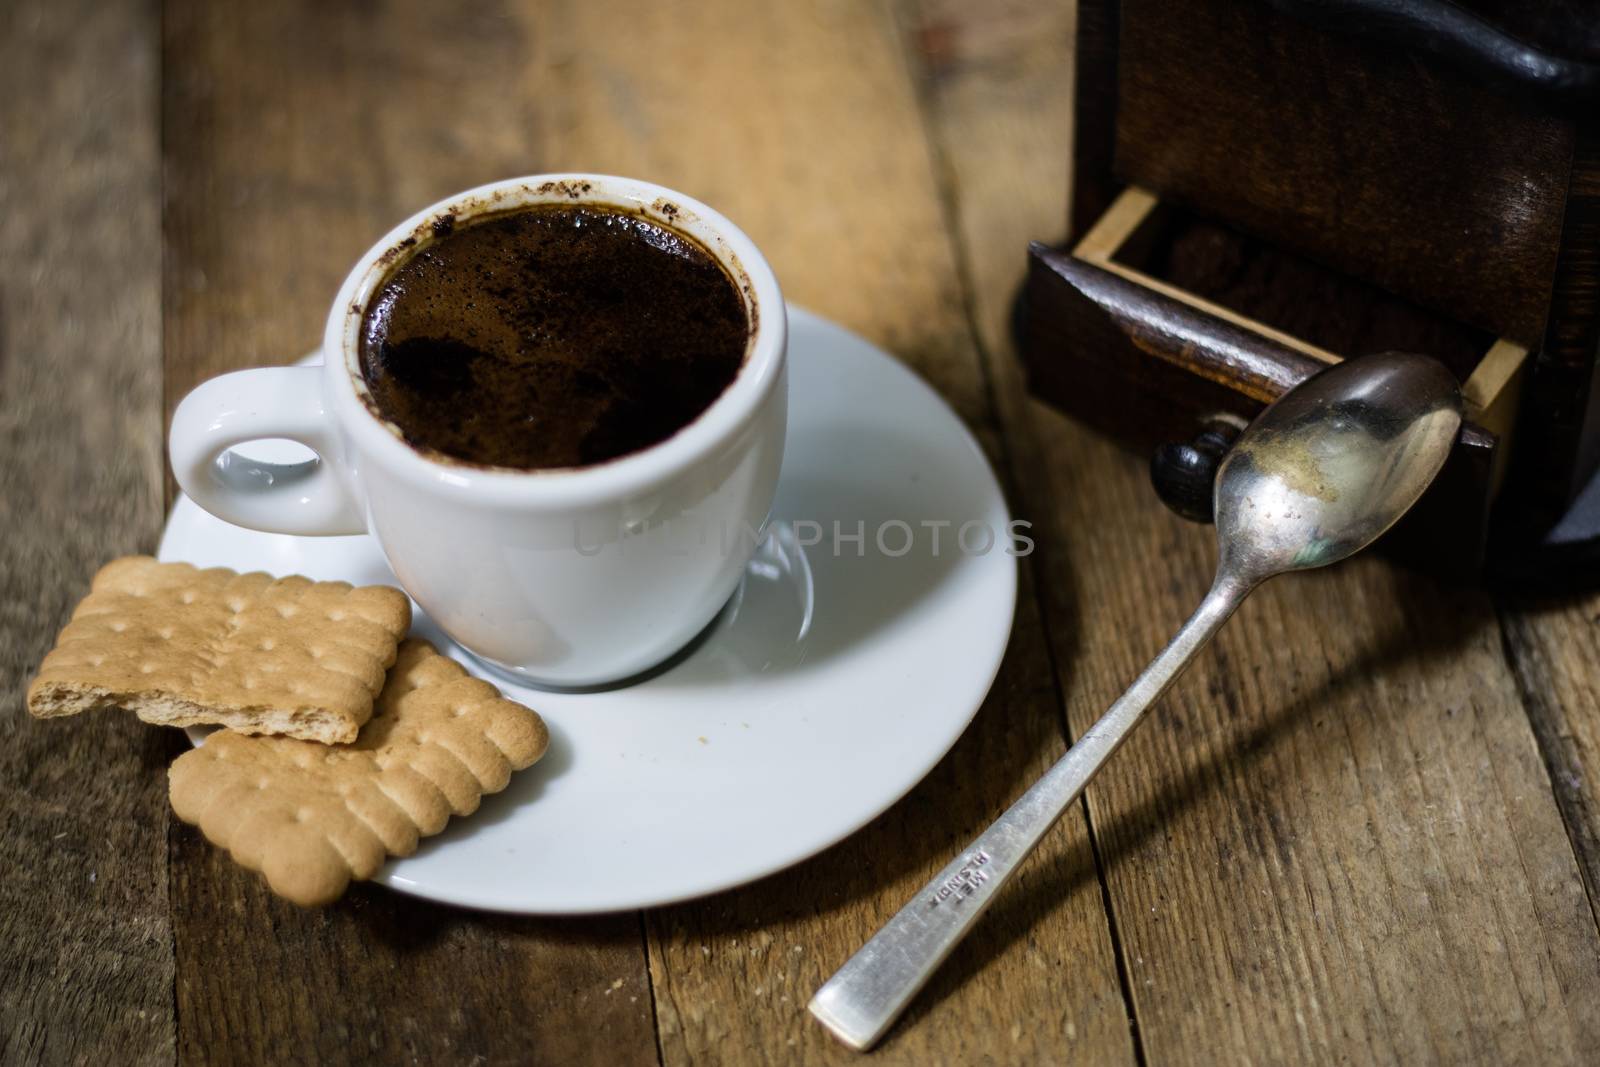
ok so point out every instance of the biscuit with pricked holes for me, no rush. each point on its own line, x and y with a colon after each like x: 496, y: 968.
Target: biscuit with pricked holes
x: 313, y: 817
x: 179, y: 646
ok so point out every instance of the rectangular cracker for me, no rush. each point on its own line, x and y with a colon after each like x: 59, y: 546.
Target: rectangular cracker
x: 312, y: 817
x: 179, y: 646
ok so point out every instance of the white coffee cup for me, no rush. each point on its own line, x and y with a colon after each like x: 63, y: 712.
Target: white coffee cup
x: 566, y: 578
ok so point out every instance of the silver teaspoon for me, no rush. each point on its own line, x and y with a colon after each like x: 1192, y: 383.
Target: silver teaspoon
x: 1315, y: 478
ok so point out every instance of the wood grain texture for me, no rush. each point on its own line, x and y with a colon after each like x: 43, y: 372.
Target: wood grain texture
x: 1334, y: 841
x: 382, y: 978
x: 1554, y: 645
x: 1253, y: 118
x: 85, y: 951
x: 296, y: 135
x: 1092, y: 106
x: 1559, y: 451
x: 801, y: 124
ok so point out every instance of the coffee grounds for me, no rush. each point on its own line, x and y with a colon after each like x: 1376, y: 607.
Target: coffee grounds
x: 554, y: 336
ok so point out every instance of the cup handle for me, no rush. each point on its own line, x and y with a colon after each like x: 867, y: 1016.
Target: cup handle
x: 307, y: 498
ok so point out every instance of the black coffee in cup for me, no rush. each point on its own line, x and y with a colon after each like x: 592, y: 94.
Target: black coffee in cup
x: 551, y: 336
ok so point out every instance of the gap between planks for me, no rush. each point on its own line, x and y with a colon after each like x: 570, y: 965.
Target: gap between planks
x: 949, y: 204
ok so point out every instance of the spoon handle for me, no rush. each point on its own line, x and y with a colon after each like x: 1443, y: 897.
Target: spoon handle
x: 867, y: 994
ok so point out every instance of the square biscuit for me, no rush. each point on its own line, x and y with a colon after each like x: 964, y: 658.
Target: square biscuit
x: 180, y: 646
x: 312, y: 817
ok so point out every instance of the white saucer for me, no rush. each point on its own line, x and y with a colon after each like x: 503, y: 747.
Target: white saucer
x: 829, y: 687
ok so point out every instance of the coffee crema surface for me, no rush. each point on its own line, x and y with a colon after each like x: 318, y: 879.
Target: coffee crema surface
x: 552, y: 336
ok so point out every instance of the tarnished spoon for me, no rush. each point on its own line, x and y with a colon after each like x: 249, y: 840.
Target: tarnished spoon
x: 1315, y: 478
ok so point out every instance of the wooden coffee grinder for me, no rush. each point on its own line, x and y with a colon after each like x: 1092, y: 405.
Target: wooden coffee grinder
x: 1261, y: 187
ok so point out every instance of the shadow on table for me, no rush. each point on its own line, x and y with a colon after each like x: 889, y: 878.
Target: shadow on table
x: 914, y: 837
x: 908, y: 837
x: 1436, y: 638
x: 403, y: 924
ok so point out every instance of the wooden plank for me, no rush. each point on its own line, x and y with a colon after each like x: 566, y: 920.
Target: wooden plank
x: 800, y: 122
x: 382, y: 978
x: 1333, y: 836
x: 1251, y: 118
x: 1091, y: 103
x: 85, y: 950
x: 296, y: 134
x: 1110, y: 231
x: 1554, y: 645
x: 1335, y: 839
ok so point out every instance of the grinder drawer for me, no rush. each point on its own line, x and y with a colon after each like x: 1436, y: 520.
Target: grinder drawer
x: 1159, y: 324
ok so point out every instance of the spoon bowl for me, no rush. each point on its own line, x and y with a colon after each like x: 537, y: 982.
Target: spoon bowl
x: 1324, y: 471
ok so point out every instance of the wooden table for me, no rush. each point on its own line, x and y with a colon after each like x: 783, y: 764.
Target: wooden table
x: 1362, y: 829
